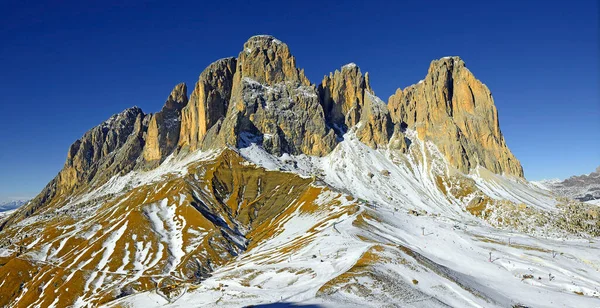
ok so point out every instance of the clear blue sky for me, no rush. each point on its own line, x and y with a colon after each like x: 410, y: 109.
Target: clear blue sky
x: 66, y: 67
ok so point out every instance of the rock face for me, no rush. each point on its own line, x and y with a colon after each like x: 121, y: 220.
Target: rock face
x: 454, y: 110
x: 342, y: 94
x: 111, y: 148
x: 164, y: 126
x: 349, y: 101
x: 272, y: 103
x: 268, y: 61
x: 108, y: 149
x: 275, y: 102
x: 375, y: 127
x: 262, y: 97
x: 208, y: 103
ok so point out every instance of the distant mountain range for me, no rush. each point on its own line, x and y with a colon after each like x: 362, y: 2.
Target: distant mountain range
x: 10, y: 205
x: 584, y: 188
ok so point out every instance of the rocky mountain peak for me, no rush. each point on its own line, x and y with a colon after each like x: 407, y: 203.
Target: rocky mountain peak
x: 163, y: 128
x: 269, y: 61
x: 263, y: 39
x: 209, y: 102
x: 456, y: 111
x: 448, y: 63
x: 103, y: 151
x: 343, y: 96
x: 178, y: 97
x: 262, y: 97
x: 348, y: 99
x: 116, y: 120
x: 104, y: 138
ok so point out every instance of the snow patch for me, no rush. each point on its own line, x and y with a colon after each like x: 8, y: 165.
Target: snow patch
x: 169, y: 227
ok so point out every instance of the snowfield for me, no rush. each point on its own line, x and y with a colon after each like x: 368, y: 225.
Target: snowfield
x: 386, y: 235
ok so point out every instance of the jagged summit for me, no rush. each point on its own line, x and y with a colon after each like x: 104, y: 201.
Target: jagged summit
x: 128, y: 112
x: 264, y: 37
x: 178, y: 97
x: 266, y: 61
x: 349, y: 65
x: 342, y: 95
x: 262, y: 186
x: 162, y: 135
x: 453, y: 58
x: 269, y: 61
x: 263, y: 97
x: 349, y: 102
x: 208, y: 104
x: 446, y: 63
x: 453, y: 109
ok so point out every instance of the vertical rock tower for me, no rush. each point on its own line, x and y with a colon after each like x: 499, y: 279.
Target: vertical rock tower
x: 263, y: 97
x: 454, y: 110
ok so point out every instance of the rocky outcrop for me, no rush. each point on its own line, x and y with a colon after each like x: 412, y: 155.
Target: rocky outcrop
x: 342, y: 95
x: 375, y: 127
x: 268, y: 61
x: 164, y: 126
x: 348, y: 100
x: 106, y: 150
x: 111, y: 148
x: 454, y: 110
x: 273, y: 103
x: 262, y: 97
x: 208, y: 103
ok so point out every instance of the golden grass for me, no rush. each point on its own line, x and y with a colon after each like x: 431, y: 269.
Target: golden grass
x: 512, y: 244
x: 259, y: 200
x: 361, y: 267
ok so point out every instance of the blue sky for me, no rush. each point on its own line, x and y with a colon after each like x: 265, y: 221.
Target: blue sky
x: 67, y: 66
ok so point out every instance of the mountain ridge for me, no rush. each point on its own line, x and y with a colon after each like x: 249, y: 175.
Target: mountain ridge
x: 8, y: 205
x: 585, y: 187
x: 227, y: 103
x: 262, y: 187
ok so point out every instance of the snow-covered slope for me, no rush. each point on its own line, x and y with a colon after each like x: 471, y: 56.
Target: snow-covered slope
x: 187, y: 208
x: 595, y: 202
x: 6, y: 214
x: 378, y: 257
x: 359, y: 227
x: 385, y: 232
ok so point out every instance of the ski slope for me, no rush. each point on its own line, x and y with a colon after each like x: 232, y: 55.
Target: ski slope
x: 386, y: 234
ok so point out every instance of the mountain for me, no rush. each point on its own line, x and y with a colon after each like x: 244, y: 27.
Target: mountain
x: 11, y: 204
x: 8, y: 207
x: 585, y: 188
x: 456, y: 111
x: 261, y: 187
